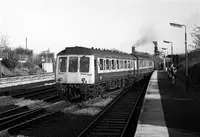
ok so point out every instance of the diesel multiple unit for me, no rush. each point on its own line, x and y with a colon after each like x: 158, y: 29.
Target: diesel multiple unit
x: 83, y: 72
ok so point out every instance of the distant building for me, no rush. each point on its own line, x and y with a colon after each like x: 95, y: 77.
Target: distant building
x: 47, y: 67
x: 47, y: 59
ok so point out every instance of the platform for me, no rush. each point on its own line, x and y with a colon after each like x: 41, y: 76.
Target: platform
x: 168, y: 111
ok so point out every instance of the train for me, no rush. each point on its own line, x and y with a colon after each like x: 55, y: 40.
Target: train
x: 82, y: 73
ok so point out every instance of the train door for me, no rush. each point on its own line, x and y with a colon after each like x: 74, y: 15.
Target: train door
x: 96, y: 70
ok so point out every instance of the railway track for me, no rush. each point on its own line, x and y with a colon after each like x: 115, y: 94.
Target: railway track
x: 20, y: 118
x: 45, y: 93
x: 30, y: 119
x: 35, y: 91
x: 120, y: 115
x: 27, y: 128
x: 24, y: 78
x: 23, y: 87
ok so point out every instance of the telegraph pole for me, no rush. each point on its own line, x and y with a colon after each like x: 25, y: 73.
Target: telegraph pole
x: 0, y: 68
x: 26, y: 42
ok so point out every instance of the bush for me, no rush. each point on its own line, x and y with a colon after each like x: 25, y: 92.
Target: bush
x: 193, y: 67
x: 22, y: 71
x: 11, y: 64
x: 27, y: 68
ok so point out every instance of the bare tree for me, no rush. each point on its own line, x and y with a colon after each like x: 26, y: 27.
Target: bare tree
x: 3, y: 45
x: 196, y: 36
x: 4, y: 42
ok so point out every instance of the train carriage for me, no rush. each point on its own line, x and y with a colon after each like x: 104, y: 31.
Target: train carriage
x: 145, y: 65
x: 83, y: 72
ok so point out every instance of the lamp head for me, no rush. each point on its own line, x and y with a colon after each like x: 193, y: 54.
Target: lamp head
x: 176, y: 25
x: 166, y: 41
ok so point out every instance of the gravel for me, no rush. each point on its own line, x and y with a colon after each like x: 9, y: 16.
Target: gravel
x: 73, y: 119
x: 5, y: 133
x: 8, y: 100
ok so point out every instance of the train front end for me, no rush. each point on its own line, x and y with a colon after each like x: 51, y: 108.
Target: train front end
x: 74, y: 72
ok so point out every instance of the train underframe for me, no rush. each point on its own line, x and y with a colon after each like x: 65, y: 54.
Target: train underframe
x: 81, y: 92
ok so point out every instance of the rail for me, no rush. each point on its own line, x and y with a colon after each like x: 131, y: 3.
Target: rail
x: 115, y: 119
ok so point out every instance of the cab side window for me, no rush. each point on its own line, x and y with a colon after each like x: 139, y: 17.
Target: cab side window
x: 84, y: 64
x: 62, y: 64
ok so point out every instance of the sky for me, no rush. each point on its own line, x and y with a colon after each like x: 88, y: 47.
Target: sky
x: 119, y: 24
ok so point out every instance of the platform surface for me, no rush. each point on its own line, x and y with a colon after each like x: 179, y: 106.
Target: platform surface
x: 169, y: 111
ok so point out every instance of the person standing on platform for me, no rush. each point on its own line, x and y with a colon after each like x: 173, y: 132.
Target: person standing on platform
x: 173, y: 71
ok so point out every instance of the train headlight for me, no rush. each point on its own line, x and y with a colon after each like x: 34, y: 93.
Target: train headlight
x: 84, y: 80
x: 60, y: 79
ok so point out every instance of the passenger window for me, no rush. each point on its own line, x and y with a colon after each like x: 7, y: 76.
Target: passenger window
x: 113, y: 64
x: 121, y: 64
x: 104, y: 64
x: 131, y: 64
x: 95, y: 64
x: 73, y: 64
x: 84, y: 64
x: 117, y: 64
x: 125, y: 64
x: 140, y: 63
x: 62, y: 64
x: 110, y: 64
x: 101, y: 64
x: 107, y: 64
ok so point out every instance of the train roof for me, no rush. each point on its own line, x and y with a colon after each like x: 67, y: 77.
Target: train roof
x: 91, y: 51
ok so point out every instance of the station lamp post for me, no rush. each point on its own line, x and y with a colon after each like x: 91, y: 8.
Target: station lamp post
x: 171, y: 47
x: 0, y: 68
x: 164, y: 49
x: 186, y: 53
x: 164, y: 59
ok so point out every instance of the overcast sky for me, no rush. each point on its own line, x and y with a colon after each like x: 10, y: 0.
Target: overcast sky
x: 120, y: 24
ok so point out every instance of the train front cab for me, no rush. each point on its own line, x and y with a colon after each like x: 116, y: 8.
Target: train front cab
x: 72, y: 71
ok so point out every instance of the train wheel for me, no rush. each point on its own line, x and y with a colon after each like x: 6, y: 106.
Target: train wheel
x: 120, y: 83
x: 123, y: 83
x: 97, y: 91
x: 101, y: 90
x: 62, y: 93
